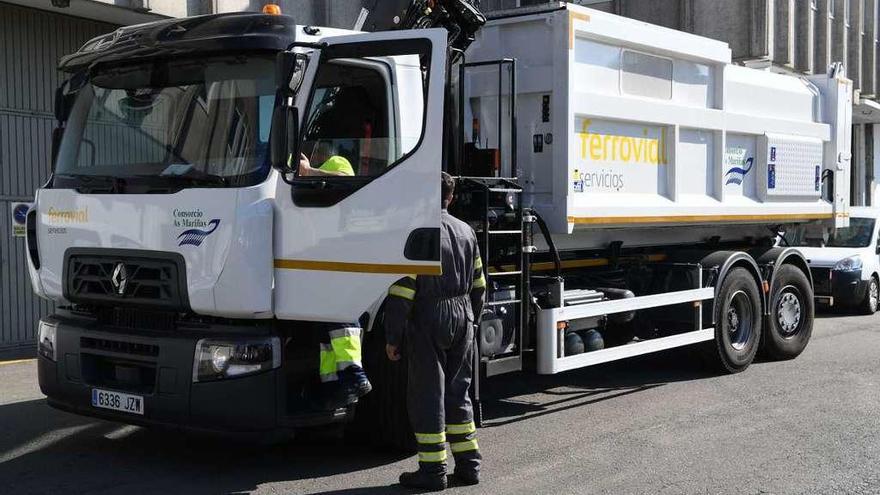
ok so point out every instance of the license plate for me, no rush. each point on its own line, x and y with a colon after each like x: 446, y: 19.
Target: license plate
x: 127, y: 403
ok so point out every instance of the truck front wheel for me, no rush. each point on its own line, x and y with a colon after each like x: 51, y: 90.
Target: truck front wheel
x: 791, y: 314
x: 737, y: 321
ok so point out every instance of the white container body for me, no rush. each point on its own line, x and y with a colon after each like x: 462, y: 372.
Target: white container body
x: 625, y: 129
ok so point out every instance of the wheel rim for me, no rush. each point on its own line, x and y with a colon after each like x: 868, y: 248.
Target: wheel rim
x: 789, y: 311
x: 739, y: 320
x: 873, y: 293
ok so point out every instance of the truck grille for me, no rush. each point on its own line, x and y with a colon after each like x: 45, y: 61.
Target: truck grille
x: 137, y: 319
x: 119, y: 364
x: 821, y: 281
x: 119, y: 347
x: 125, y: 278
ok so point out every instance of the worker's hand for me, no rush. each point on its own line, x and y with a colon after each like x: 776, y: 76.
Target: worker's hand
x: 392, y: 352
x: 305, y: 167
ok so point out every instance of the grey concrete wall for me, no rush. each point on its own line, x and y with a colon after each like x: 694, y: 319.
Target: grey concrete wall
x: 667, y: 13
x: 797, y: 35
x: 333, y: 13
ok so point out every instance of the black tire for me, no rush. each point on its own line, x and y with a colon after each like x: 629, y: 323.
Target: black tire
x: 380, y: 417
x: 868, y: 306
x: 792, y: 311
x: 737, y: 322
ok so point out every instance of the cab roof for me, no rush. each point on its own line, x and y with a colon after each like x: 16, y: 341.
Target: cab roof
x: 179, y: 37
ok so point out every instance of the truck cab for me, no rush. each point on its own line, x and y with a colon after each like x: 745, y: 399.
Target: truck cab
x: 187, y: 265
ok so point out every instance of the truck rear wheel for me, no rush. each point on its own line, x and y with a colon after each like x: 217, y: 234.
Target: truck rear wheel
x: 737, y: 321
x: 791, y: 314
x: 381, y: 417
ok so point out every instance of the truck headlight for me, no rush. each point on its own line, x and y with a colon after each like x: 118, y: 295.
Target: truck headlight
x: 851, y: 264
x: 46, y: 340
x: 216, y: 359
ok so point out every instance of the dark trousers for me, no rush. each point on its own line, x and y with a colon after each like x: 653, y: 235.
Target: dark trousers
x: 440, y: 355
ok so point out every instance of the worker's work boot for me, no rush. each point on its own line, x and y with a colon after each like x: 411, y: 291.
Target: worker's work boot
x: 423, y: 480
x: 353, y: 384
x: 463, y: 477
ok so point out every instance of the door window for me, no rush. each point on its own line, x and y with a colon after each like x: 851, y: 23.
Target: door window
x: 350, y: 120
x: 877, y: 243
x: 365, y: 112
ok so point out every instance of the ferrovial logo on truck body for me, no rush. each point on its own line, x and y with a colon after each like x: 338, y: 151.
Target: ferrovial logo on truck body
x: 620, y: 157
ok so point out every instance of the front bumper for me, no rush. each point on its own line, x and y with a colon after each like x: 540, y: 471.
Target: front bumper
x: 838, y: 287
x: 158, y: 366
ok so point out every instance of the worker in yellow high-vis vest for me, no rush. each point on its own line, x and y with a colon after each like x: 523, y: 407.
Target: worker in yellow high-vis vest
x: 437, y: 314
x: 343, y: 380
x: 332, y: 164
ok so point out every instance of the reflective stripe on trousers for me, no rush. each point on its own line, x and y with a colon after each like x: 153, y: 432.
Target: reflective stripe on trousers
x: 344, y: 350
x: 432, y: 447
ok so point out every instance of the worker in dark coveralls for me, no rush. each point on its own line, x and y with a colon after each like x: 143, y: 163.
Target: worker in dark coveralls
x: 434, y: 316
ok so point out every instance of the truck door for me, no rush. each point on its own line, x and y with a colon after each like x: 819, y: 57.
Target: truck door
x: 364, y: 209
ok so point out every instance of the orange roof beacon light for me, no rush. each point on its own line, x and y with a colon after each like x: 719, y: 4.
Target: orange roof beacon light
x: 271, y: 9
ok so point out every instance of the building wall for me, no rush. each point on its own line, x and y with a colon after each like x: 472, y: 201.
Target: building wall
x: 31, y: 41
x: 342, y: 14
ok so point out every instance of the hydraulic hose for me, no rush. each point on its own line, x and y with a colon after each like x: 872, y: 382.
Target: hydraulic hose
x: 557, y: 261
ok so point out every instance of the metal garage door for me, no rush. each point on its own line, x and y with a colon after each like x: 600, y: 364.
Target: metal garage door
x: 31, y: 42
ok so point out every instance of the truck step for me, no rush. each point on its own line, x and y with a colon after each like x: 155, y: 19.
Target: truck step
x: 501, y: 303
x: 582, y: 296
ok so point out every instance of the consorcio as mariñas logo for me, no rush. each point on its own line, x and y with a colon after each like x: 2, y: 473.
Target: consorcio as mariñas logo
x: 737, y: 174
x: 200, y: 229
x: 195, y: 237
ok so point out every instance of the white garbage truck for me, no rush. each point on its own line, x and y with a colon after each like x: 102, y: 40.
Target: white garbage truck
x: 626, y: 183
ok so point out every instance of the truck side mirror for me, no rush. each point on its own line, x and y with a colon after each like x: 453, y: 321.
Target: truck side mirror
x: 65, y: 96
x: 57, y: 134
x: 290, y: 69
x: 285, y: 63
x: 62, y: 102
x: 284, y: 138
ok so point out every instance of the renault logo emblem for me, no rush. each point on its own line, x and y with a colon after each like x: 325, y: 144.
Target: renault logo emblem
x: 119, y: 280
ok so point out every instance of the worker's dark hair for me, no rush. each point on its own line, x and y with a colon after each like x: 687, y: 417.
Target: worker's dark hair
x: 447, y: 188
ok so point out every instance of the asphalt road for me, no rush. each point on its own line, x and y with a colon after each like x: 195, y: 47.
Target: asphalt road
x: 657, y: 424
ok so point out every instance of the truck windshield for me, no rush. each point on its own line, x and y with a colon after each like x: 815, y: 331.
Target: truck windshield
x: 858, y: 234
x: 200, y: 122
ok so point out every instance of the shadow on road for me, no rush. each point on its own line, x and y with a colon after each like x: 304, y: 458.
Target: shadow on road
x: 527, y: 396
x: 836, y: 312
x: 46, y: 451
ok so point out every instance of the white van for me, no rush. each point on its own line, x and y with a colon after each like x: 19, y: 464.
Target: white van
x: 846, y: 266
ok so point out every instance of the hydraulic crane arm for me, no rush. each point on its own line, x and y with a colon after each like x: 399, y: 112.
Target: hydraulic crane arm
x: 462, y: 18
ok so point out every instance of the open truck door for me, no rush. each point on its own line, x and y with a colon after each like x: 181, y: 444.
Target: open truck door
x: 363, y: 209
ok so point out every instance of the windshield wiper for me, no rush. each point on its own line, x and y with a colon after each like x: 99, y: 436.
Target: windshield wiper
x: 88, y: 182
x: 195, y: 176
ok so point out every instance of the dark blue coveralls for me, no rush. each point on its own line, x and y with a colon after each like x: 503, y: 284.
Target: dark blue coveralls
x: 437, y: 316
